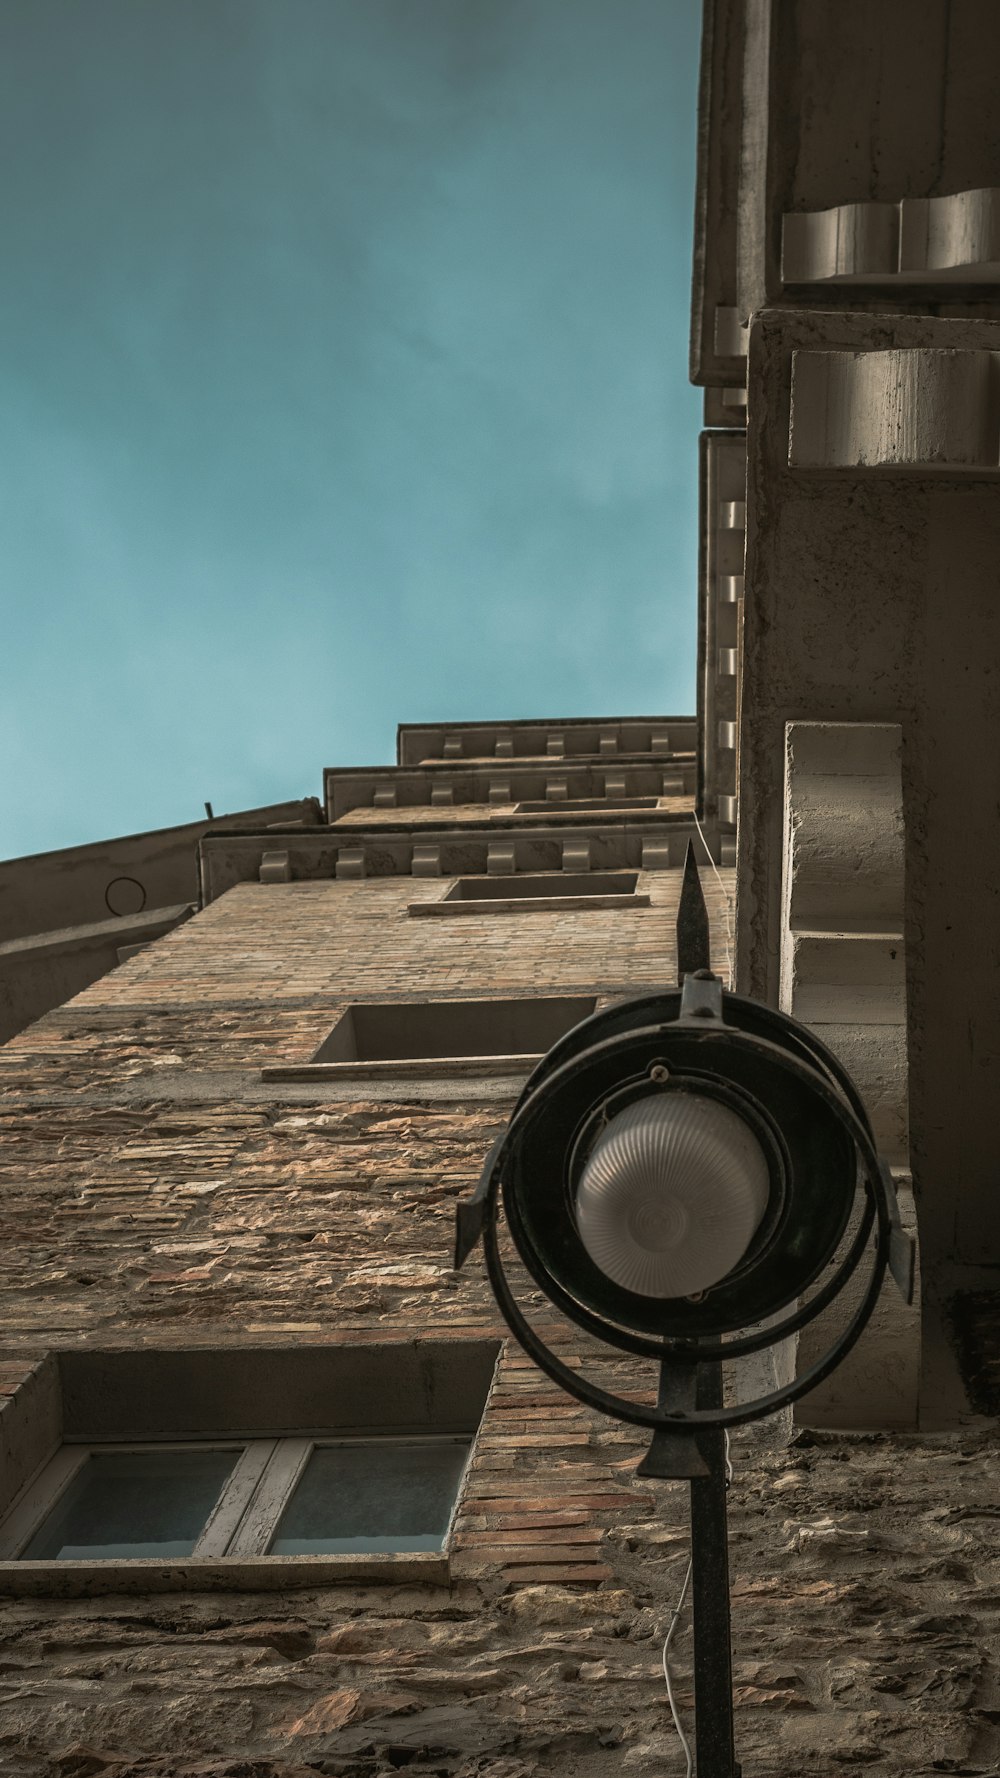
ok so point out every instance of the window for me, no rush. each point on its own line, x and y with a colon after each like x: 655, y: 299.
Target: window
x: 517, y: 894
x: 282, y: 1497
x: 427, y: 1037
x: 253, y: 1466
x: 518, y: 888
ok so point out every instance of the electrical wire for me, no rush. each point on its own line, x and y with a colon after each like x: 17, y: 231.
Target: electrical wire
x: 727, y: 903
x: 669, y: 1636
x: 666, y: 1673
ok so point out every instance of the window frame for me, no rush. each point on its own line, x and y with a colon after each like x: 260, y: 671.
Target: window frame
x: 247, y: 1513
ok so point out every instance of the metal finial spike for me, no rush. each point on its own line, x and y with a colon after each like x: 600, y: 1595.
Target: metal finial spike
x: 693, y: 942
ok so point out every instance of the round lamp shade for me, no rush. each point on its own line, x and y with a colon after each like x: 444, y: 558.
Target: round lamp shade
x: 672, y: 1194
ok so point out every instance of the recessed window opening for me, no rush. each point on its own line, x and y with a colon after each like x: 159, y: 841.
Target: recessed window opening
x: 587, y: 802
x: 518, y: 888
x: 245, y: 1466
x: 445, y: 1028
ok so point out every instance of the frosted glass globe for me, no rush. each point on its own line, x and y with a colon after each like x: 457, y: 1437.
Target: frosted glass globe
x: 672, y: 1194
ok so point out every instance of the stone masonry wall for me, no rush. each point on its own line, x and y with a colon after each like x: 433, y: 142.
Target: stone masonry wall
x: 156, y: 1192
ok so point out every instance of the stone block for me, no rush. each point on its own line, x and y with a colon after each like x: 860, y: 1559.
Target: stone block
x: 576, y: 855
x: 656, y: 854
x: 730, y: 333
x: 877, y: 1384
x: 914, y: 408
x: 275, y: 867
x: 843, y: 860
x: 958, y: 234
x: 847, y: 241
x: 500, y: 859
x: 350, y: 862
x: 426, y: 861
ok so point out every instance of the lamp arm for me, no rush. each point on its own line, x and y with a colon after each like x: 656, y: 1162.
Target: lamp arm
x: 902, y: 1246
x: 470, y: 1213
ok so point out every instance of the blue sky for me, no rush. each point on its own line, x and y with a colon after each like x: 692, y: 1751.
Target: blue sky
x: 344, y: 365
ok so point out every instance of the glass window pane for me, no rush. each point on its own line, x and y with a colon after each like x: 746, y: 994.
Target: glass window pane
x: 381, y: 1496
x: 133, y: 1503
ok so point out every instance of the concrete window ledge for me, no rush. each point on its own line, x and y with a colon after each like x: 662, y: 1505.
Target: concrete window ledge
x: 254, y: 1574
x: 416, y: 1068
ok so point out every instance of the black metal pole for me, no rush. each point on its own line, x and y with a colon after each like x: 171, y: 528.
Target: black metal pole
x: 713, y: 1668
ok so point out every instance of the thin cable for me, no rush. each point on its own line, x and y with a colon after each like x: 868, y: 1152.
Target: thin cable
x: 727, y: 904
x: 666, y: 1671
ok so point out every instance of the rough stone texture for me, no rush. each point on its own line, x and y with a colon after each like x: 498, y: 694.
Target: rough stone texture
x: 865, y: 1577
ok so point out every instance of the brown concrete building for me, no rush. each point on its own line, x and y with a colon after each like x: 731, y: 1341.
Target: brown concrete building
x: 235, y: 1348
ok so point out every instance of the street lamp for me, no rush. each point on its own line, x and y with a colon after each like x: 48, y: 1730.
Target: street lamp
x: 678, y: 1169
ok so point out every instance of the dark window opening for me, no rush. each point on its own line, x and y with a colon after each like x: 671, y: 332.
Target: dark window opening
x: 559, y: 884
x: 444, y: 1028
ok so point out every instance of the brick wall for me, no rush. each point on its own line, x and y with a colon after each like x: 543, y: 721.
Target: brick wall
x: 157, y: 1191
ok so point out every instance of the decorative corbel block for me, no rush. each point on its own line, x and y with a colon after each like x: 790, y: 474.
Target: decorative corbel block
x: 733, y: 515
x: 500, y: 860
x: 607, y: 742
x: 556, y: 790
x: 504, y: 748
x: 442, y: 796
x: 452, y: 747
x: 384, y: 796
x: 555, y: 746
x: 500, y: 790
x: 656, y: 854
x: 576, y: 855
x: 730, y: 589
x: 614, y: 784
x: 660, y: 743
x: 426, y: 861
x: 275, y: 867
x: 350, y: 862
